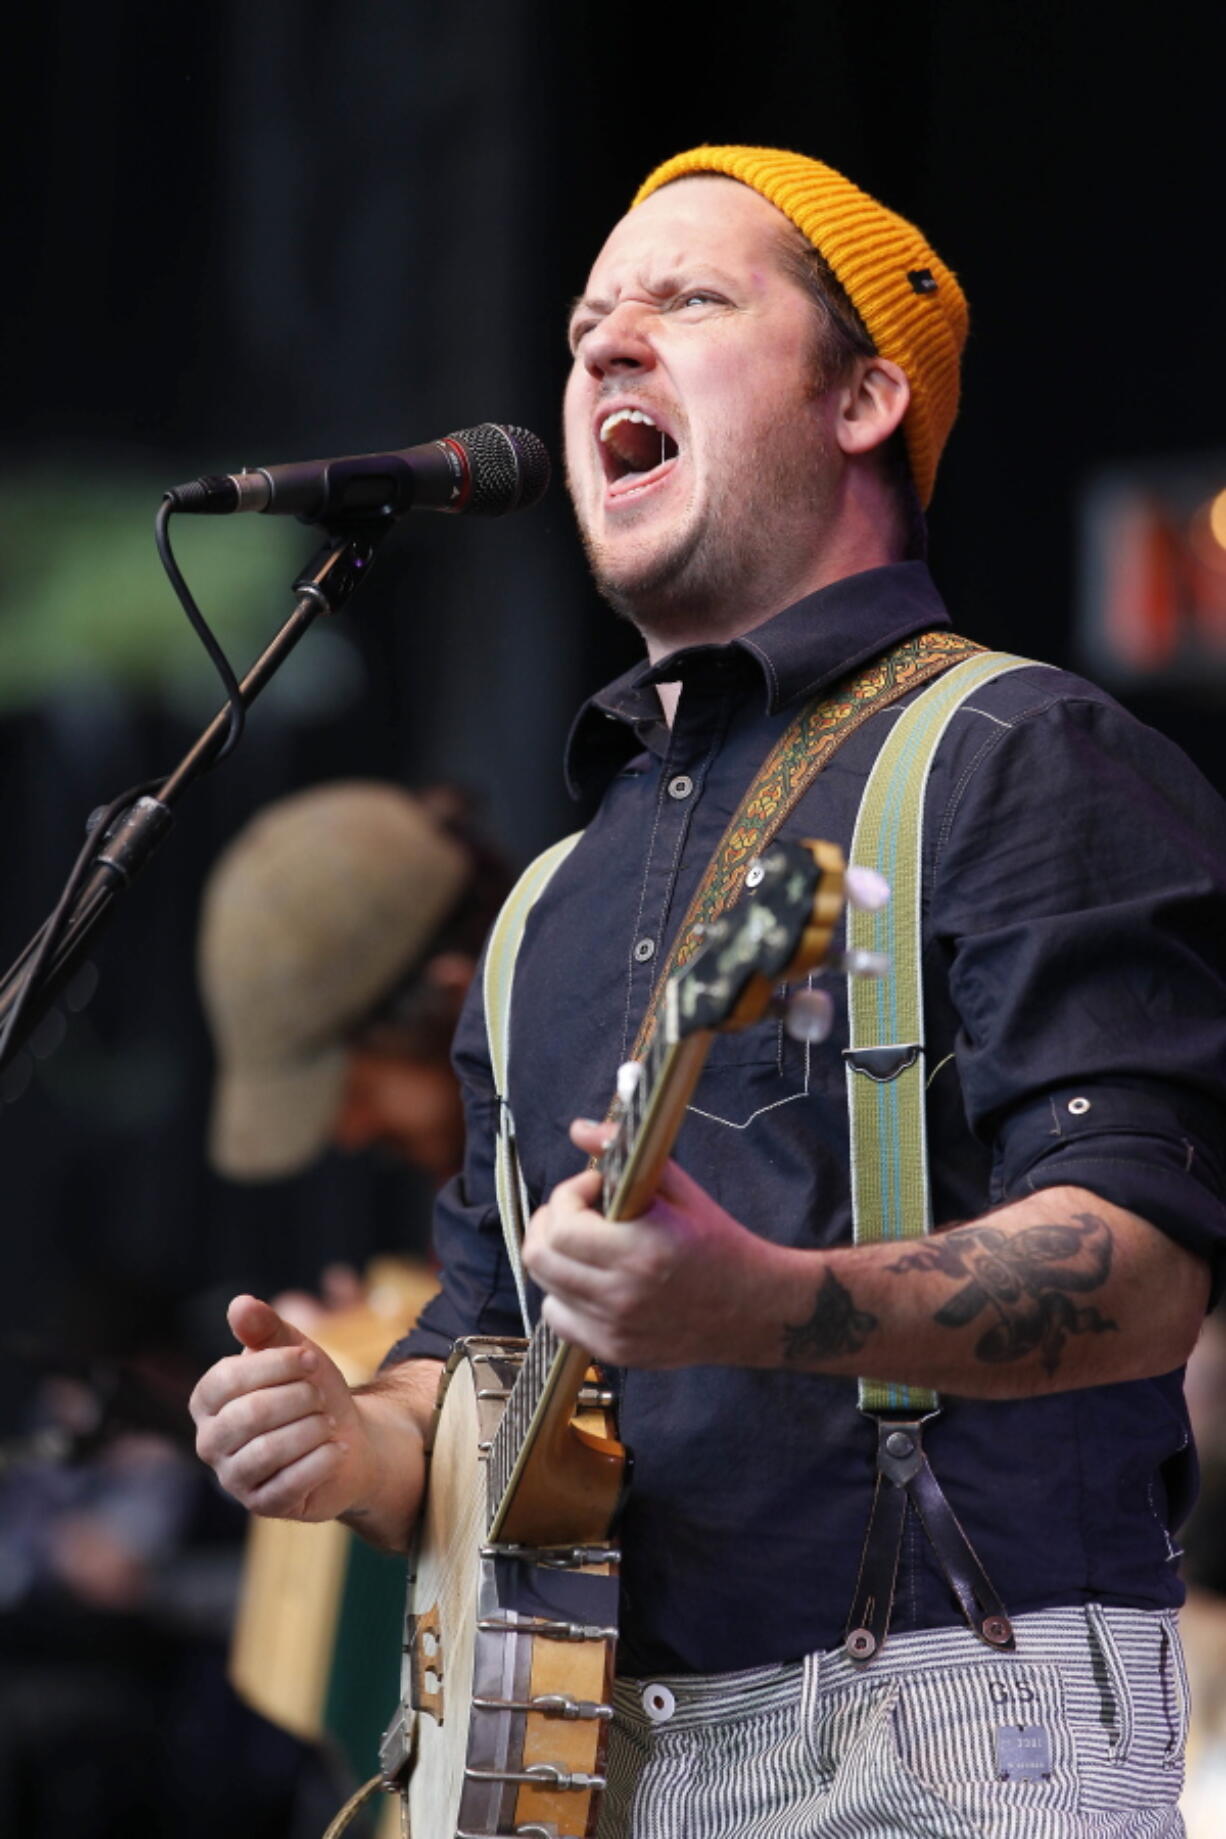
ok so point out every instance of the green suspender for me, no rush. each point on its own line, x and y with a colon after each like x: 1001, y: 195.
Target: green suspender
x: 891, y: 1197
x: 500, y: 956
x: 886, y: 1072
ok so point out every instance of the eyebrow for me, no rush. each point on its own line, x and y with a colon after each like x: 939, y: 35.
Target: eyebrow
x: 589, y: 303
x: 595, y: 303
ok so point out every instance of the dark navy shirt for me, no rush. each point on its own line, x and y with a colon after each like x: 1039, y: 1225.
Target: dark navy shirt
x: 1074, y: 938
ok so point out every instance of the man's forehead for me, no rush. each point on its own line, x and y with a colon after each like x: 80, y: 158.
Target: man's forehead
x: 702, y: 214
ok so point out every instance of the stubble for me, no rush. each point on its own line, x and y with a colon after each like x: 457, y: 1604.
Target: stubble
x: 737, y: 555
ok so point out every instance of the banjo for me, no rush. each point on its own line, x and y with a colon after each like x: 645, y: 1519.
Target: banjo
x: 512, y: 1611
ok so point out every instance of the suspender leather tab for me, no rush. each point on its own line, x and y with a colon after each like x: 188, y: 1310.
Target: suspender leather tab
x: 904, y: 1475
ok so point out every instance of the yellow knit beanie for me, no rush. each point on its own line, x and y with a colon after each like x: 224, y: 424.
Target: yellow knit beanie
x: 910, y: 302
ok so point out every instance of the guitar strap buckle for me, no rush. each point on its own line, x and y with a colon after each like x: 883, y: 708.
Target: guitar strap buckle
x: 905, y: 1478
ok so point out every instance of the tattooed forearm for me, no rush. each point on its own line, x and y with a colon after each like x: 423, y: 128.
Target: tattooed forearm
x: 1024, y: 1280
x: 836, y: 1326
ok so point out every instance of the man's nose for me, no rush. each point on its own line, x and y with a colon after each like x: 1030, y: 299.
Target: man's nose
x: 621, y: 340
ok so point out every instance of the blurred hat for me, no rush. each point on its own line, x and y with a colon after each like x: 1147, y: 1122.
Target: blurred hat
x: 313, y: 913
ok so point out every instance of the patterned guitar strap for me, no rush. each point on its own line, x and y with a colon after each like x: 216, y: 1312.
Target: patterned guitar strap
x: 786, y: 774
x: 891, y: 1196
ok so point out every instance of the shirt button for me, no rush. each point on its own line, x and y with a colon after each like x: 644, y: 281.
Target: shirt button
x: 681, y: 786
x: 646, y: 948
x: 658, y: 1703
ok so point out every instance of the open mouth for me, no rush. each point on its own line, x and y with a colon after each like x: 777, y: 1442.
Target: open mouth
x: 633, y: 446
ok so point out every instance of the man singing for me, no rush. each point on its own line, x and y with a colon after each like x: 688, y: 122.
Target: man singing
x: 765, y: 372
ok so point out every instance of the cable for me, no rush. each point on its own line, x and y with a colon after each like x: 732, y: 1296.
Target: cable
x: 238, y: 712
x: 38, y: 952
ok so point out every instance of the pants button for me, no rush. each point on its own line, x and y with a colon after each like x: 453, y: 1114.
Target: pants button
x: 658, y: 1703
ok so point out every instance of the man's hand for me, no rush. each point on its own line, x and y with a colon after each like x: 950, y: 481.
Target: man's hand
x: 279, y: 1424
x: 685, y: 1285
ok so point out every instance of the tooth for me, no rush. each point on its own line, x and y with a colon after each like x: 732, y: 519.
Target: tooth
x: 620, y: 415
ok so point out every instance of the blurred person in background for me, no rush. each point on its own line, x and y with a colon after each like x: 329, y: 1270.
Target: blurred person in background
x: 339, y: 933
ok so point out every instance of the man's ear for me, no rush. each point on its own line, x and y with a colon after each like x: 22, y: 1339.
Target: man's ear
x: 872, y: 405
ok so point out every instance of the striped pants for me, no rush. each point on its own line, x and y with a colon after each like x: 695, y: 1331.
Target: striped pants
x: 1079, y: 1733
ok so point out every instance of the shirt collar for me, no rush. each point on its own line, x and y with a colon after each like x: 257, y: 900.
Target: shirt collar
x: 795, y: 655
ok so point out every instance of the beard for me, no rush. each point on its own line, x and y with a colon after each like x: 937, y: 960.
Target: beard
x: 657, y: 590
x: 736, y: 554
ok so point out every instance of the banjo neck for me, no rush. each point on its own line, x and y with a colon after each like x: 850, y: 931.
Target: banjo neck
x: 537, y: 1441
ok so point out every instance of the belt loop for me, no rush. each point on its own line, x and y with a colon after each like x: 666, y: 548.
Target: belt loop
x: 1102, y: 1637
x: 810, y: 1689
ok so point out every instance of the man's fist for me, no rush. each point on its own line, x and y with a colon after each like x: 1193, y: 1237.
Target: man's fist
x: 277, y: 1422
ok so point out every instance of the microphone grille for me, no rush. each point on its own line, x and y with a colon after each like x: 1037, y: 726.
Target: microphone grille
x: 509, y: 468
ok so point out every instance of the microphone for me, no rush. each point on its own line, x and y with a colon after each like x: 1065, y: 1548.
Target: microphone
x: 485, y: 470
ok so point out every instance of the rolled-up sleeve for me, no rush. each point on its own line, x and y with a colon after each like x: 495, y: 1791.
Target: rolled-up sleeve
x: 1154, y: 1150
x: 1079, y: 897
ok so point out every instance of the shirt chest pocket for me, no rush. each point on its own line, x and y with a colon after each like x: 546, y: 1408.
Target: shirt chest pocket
x: 756, y: 1069
x: 769, y: 1041
x: 766, y: 1043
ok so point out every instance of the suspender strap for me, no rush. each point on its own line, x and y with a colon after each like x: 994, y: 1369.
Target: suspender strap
x: 500, y: 956
x: 891, y: 1196
x: 886, y: 1071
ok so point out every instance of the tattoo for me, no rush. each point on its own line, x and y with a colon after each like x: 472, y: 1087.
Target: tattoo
x: 1025, y: 1279
x: 835, y: 1327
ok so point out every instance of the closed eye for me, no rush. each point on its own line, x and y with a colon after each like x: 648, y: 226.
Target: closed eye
x: 579, y: 325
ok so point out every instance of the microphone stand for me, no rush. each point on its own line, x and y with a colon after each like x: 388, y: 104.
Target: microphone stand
x: 329, y: 579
